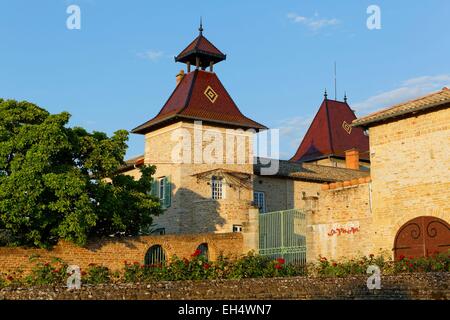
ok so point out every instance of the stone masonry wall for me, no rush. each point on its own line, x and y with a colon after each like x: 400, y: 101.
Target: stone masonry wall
x: 410, y: 170
x: 112, y: 253
x: 342, y: 226
x: 189, y: 192
x: 400, y: 287
x: 283, y: 193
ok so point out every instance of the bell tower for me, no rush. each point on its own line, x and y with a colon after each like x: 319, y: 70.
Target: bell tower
x: 200, y: 53
x: 202, y: 145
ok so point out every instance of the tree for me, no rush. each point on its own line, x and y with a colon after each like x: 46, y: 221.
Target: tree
x: 58, y: 182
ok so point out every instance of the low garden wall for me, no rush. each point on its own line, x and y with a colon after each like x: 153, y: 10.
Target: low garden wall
x: 112, y: 252
x: 405, y: 286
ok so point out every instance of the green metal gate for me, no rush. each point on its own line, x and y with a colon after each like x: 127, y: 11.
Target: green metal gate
x: 282, y: 234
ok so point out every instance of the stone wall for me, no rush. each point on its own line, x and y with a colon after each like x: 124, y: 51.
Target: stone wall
x: 399, y: 287
x: 284, y: 193
x: 189, y: 192
x: 113, y: 252
x: 410, y: 170
x: 342, y: 225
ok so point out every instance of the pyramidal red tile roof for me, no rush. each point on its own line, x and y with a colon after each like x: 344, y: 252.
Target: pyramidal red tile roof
x: 202, y: 46
x: 200, y: 96
x: 331, y: 134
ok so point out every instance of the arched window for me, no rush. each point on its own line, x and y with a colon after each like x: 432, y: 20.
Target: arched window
x: 203, y: 248
x: 155, y: 255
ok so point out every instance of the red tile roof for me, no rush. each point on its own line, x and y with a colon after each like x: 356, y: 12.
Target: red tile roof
x: 189, y: 101
x: 201, y: 46
x: 331, y: 134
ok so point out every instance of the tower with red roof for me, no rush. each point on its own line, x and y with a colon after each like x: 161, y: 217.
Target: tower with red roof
x: 200, y: 95
x: 196, y: 141
x: 331, y: 134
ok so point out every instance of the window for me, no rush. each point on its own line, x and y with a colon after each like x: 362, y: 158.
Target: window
x: 161, y: 184
x: 155, y: 255
x: 237, y: 228
x: 162, y: 188
x: 260, y: 200
x: 203, y: 248
x: 217, y: 188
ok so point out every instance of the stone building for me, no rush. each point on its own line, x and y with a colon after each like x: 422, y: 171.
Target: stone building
x: 340, y: 195
x: 404, y: 208
x: 202, y: 147
x: 410, y: 171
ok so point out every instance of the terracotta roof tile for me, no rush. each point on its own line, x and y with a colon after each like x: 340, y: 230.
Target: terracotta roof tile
x: 190, y: 101
x: 288, y: 169
x: 432, y: 100
x: 200, y: 45
x: 331, y: 134
x: 313, y: 172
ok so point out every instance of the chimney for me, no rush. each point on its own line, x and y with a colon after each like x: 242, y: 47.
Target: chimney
x: 352, y: 159
x: 180, y: 76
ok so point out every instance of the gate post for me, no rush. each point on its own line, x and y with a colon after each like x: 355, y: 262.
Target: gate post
x: 250, y: 231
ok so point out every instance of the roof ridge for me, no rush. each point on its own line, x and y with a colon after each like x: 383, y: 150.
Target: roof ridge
x: 427, y: 101
x: 191, y: 89
x: 407, y: 102
x: 334, y: 168
x: 212, y: 44
x: 330, y: 136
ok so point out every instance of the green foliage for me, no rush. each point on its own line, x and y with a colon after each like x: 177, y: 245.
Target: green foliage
x: 198, y: 268
x: 96, y: 274
x: 439, y: 262
x: 48, y: 273
x: 52, y: 181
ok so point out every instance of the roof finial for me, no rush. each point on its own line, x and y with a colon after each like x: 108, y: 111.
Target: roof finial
x: 345, y: 97
x: 201, y: 26
x: 325, y: 94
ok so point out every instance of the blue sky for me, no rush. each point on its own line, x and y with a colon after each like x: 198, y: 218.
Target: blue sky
x: 118, y: 70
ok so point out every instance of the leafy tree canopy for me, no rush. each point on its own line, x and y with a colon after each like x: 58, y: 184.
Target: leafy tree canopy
x: 58, y: 182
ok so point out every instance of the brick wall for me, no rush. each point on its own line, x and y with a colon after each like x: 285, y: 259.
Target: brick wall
x: 112, y: 253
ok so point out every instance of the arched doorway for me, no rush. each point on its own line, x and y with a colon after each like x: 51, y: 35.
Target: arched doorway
x: 155, y: 255
x: 203, y: 249
x: 421, y: 237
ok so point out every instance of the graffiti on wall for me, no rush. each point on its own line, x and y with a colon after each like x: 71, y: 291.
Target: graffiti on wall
x: 342, y: 229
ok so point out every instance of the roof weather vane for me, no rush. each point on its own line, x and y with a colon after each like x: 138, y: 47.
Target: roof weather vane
x: 201, y: 26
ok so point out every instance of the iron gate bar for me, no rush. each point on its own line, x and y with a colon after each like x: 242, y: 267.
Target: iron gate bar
x: 282, y: 234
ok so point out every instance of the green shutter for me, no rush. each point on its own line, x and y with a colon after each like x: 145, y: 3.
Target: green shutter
x: 167, y: 192
x: 154, y: 191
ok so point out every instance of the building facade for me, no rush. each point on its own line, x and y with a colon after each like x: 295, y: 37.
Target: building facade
x: 362, y: 184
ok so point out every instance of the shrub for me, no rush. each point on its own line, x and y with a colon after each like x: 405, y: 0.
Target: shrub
x: 199, y: 268
x: 96, y: 274
x: 48, y: 273
x: 436, y: 263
